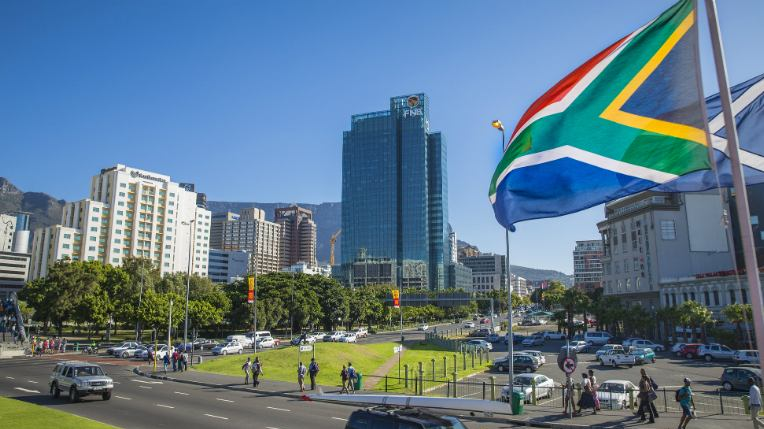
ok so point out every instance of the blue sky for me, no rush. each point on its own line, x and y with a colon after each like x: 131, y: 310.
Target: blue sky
x: 249, y: 99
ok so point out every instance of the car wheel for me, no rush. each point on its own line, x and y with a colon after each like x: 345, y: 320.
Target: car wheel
x: 225, y: 352
x: 54, y: 392
x: 125, y: 355
x: 614, y: 365
x: 678, y: 354
x: 708, y: 358
x: 239, y: 351
x: 689, y: 356
x: 74, y: 396
x: 631, y: 366
x: 106, y: 396
x: 500, y: 368
x: 602, y: 362
x: 727, y: 386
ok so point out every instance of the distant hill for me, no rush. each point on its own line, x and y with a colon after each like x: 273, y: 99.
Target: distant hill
x: 328, y: 217
x: 43, y: 209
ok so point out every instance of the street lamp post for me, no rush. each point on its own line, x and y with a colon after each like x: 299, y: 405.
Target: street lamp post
x: 510, y: 337
x: 188, y: 278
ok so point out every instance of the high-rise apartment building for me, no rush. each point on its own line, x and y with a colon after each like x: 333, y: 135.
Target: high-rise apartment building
x: 259, y: 237
x: 129, y: 212
x: 298, y: 236
x: 217, y: 225
x: 395, y: 193
x: 587, y: 265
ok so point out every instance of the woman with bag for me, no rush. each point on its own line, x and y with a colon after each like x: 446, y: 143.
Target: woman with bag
x: 595, y: 387
x: 646, y: 396
x: 587, y: 397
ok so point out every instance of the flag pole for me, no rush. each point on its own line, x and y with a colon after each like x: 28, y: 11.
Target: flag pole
x: 741, y: 196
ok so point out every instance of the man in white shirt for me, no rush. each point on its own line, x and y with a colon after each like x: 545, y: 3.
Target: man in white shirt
x: 754, y: 403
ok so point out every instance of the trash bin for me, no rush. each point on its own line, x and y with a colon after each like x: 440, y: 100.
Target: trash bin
x: 746, y: 402
x: 518, y: 402
x: 358, y: 382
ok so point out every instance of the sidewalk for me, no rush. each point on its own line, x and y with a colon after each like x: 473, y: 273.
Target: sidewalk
x: 533, y: 416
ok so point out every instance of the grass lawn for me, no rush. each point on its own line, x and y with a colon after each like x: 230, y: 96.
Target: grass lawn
x: 281, y: 364
x: 423, y: 352
x: 21, y: 415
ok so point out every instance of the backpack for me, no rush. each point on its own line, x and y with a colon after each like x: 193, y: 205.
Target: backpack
x: 258, y: 370
x: 314, y: 368
x: 677, y: 394
x: 351, y: 372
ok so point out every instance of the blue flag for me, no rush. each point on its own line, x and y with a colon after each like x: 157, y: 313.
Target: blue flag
x: 748, y: 105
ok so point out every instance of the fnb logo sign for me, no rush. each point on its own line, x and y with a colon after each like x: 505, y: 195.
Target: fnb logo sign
x: 413, y: 112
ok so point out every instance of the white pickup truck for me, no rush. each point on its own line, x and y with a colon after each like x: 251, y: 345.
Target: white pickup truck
x: 616, y: 358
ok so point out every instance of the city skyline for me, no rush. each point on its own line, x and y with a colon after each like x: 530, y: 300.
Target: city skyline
x: 189, y: 101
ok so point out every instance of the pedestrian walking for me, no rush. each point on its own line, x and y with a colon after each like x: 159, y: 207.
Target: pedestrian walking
x: 247, y: 367
x: 63, y: 345
x: 344, y: 377
x: 166, y: 362
x: 684, y: 396
x: 652, y: 393
x: 313, y: 372
x: 586, y: 400
x: 595, y: 387
x: 754, y: 395
x: 174, y: 361
x: 352, y: 375
x: 646, y: 394
x: 257, y: 371
x: 301, y: 370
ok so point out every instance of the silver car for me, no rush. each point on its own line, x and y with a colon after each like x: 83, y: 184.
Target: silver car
x: 78, y: 379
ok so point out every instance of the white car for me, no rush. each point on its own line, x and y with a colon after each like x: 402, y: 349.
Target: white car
x: 710, y: 352
x: 522, y: 383
x: 533, y: 340
x: 647, y: 344
x: 469, y: 324
x: 266, y: 342
x: 227, y: 348
x: 163, y: 351
x: 132, y: 352
x: 606, y: 348
x: 537, y: 354
x: 614, y: 394
x: 318, y: 336
x: 117, y: 350
x: 578, y: 346
x: 616, y: 358
x: 349, y: 337
x: 552, y: 335
x: 423, y: 327
x: 628, y: 342
x: 677, y: 348
x: 746, y: 356
x: 334, y: 336
x: 361, y: 332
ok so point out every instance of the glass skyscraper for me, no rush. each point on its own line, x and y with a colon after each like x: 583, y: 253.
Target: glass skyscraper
x: 395, y: 195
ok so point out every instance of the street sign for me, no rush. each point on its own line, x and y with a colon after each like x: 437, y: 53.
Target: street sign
x: 396, y: 298
x: 306, y: 348
x: 397, y: 349
x: 570, y: 353
x: 250, y: 289
x: 569, y: 365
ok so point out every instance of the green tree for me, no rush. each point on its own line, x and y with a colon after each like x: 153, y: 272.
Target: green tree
x: 738, y: 314
x: 573, y: 301
x: 553, y: 295
x: 695, y: 315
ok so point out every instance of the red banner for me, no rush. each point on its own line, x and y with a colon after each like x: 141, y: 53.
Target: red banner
x: 251, y: 290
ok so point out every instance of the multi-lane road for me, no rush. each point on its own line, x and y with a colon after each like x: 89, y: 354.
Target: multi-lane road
x: 139, y: 402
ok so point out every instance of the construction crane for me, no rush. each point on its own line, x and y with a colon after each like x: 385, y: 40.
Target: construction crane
x: 331, y: 246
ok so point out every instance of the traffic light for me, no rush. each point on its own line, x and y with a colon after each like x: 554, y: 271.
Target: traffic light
x: 396, y: 298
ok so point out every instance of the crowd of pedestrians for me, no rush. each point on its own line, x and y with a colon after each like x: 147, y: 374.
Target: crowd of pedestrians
x: 42, y: 346
x: 178, y: 359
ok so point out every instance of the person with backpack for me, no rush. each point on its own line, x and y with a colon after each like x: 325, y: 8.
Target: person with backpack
x: 166, y: 361
x: 684, y: 397
x: 301, y: 370
x: 351, y: 378
x: 257, y: 370
x: 247, y: 367
x: 344, y: 377
x: 313, y: 372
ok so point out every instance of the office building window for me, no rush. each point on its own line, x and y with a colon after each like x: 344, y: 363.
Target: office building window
x: 692, y: 296
x: 673, y: 299
x: 716, y: 297
x: 732, y: 297
x: 668, y: 230
x: 706, y: 298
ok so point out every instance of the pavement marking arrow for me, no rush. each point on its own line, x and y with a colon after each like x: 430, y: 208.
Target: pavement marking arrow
x: 26, y: 390
x: 216, y: 417
x: 279, y: 409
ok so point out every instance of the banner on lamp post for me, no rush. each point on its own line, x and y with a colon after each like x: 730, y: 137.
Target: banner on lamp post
x: 250, y: 290
x: 396, y: 298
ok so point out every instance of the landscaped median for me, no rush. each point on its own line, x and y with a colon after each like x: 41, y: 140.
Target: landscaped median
x: 22, y: 415
x: 281, y: 364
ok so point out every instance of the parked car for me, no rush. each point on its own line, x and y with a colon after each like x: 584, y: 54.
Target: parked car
x: 736, y: 377
x: 480, y: 344
x: 423, y: 327
x: 117, y: 350
x: 690, y: 350
x: 627, y: 342
x: 78, y: 379
x: 552, y: 335
x: 204, y: 344
x: 409, y: 418
x: 642, y: 356
x: 607, y: 347
x: 616, y: 358
x: 361, y: 332
x: 537, y: 354
x: 715, y: 352
x: 133, y: 352
x: 349, y: 337
x: 522, y: 383
x: 527, y: 322
x: 265, y: 343
x: 305, y: 338
x: 614, y: 394
x: 126, y: 351
x: 516, y: 339
x: 482, y: 332
x: 533, y: 340
x: 227, y: 348
x: 745, y: 356
x: 334, y: 336
x: 468, y: 324
x: 647, y: 344
x: 579, y: 346
x: 485, y: 321
x: 520, y: 363
x: 245, y: 341
x: 597, y: 338
x: 493, y: 337
x: 676, y: 348
x: 319, y: 336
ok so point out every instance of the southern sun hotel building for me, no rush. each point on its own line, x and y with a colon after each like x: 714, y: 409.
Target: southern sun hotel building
x: 130, y: 212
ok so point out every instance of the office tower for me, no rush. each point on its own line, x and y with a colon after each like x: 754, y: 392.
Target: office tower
x: 217, y: 225
x: 298, y: 236
x: 261, y: 238
x: 587, y: 265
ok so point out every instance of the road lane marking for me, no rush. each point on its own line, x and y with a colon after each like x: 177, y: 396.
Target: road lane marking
x: 145, y: 387
x: 182, y: 393
x: 164, y: 406
x: 26, y: 390
x: 216, y: 417
x: 122, y: 397
x: 116, y: 382
x: 32, y: 381
x: 224, y: 400
x: 9, y: 378
x: 270, y: 427
x: 340, y: 418
x: 145, y: 382
x: 278, y: 409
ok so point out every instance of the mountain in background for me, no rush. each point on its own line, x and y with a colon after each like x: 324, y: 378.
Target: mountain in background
x: 326, y: 215
x: 43, y: 209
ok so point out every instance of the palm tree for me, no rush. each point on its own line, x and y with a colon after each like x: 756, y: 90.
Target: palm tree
x: 574, y: 300
x: 668, y: 317
x: 694, y: 314
x: 737, y: 314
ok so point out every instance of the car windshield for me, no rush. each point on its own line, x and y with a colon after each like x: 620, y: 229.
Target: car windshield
x: 612, y: 387
x: 522, y: 381
x: 85, y: 371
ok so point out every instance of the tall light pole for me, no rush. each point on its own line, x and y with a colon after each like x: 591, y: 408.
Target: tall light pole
x: 510, y: 344
x: 188, y: 277
x: 140, y: 298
